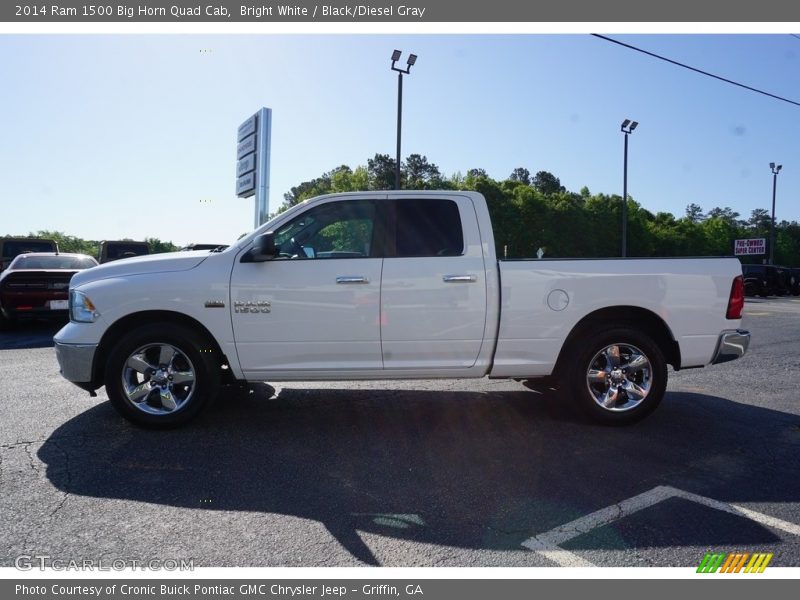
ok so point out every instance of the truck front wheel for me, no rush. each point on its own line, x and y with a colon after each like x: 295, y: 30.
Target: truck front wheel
x: 161, y: 375
x: 616, y: 376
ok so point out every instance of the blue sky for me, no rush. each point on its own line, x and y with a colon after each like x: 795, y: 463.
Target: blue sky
x: 110, y: 136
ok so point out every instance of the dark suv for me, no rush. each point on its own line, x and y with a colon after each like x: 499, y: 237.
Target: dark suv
x: 759, y: 280
x: 794, y: 281
x: 123, y: 249
x: 766, y: 280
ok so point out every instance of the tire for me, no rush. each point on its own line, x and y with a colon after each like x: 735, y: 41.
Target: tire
x: 161, y: 375
x: 6, y: 324
x: 615, y: 394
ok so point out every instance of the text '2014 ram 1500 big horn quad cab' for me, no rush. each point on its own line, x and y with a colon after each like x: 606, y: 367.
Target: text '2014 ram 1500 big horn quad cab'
x: 393, y: 285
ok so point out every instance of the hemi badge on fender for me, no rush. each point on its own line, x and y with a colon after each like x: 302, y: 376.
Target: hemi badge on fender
x: 215, y: 304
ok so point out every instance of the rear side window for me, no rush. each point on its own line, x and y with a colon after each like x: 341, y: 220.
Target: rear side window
x: 12, y: 249
x: 115, y: 251
x: 428, y: 228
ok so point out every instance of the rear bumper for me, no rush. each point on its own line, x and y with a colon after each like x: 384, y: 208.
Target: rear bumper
x: 76, y: 362
x: 30, y: 299
x: 732, y: 344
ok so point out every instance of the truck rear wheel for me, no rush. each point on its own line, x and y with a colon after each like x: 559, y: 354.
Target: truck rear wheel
x: 617, y: 376
x: 161, y: 375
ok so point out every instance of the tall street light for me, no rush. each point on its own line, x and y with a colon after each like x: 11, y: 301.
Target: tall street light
x: 627, y: 128
x: 775, y: 171
x: 412, y: 58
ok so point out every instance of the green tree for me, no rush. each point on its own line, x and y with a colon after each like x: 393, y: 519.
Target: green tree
x: 421, y: 174
x: 157, y: 246
x: 521, y: 174
x: 604, y: 224
x: 547, y: 183
x: 475, y: 173
x: 346, y: 180
x: 68, y: 243
x: 640, y: 243
x: 381, y: 172
x: 545, y: 214
x: 727, y: 214
x: 694, y: 213
x: 760, y: 221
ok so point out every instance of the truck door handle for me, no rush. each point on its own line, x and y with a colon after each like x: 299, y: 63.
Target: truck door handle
x: 352, y: 279
x: 459, y: 278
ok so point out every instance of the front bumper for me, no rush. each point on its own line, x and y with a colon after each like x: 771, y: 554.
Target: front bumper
x: 732, y: 344
x: 76, y: 362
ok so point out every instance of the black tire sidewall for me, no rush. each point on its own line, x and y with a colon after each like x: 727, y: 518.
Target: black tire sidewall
x: 193, y: 345
x: 586, y: 350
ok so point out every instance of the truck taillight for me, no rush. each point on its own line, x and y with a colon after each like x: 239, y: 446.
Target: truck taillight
x: 736, y: 300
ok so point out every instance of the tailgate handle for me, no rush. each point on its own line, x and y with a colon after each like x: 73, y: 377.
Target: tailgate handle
x: 352, y: 279
x: 459, y: 278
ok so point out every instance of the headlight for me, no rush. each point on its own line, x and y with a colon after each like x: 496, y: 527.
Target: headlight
x: 81, y: 308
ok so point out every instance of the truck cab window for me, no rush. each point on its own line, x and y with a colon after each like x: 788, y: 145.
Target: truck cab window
x: 334, y: 230
x: 428, y: 227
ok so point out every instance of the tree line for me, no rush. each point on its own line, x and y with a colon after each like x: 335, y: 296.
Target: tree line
x: 535, y: 211
x: 71, y: 243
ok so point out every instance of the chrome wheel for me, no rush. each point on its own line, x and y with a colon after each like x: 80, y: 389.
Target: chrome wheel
x: 619, y: 377
x: 158, y: 379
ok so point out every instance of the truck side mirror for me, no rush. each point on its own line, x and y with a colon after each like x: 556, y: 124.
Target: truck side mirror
x: 263, y: 249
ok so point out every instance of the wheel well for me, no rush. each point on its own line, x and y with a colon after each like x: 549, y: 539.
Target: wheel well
x: 623, y: 316
x: 128, y: 322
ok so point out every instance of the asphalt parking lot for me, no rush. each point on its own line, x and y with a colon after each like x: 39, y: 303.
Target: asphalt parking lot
x: 425, y: 473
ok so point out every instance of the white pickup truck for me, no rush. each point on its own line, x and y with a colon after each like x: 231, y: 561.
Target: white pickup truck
x: 393, y: 285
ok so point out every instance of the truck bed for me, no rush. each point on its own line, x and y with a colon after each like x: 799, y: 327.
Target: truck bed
x: 543, y: 300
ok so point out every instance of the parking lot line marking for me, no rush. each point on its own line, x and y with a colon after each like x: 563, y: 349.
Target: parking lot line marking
x: 606, y: 515
x: 741, y: 511
x: 548, y: 543
x: 563, y: 558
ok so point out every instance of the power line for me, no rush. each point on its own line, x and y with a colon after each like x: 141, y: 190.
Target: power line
x: 794, y: 35
x: 706, y: 73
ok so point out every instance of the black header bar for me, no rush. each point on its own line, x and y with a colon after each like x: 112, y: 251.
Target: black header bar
x: 414, y: 11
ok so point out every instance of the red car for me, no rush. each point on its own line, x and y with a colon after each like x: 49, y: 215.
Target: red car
x: 37, y: 284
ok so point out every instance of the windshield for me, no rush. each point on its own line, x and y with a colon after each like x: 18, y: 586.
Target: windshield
x: 72, y: 263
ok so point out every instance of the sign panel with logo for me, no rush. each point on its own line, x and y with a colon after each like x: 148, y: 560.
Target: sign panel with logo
x: 750, y: 247
x: 246, y: 165
x: 252, y: 161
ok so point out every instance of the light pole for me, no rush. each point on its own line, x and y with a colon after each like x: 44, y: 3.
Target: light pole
x: 775, y: 171
x: 627, y: 128
x: 412, y: 58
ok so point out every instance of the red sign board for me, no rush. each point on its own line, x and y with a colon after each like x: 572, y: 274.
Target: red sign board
x: 750, y: 246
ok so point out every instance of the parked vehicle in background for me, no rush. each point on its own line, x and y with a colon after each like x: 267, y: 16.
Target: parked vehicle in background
x: 794, y: 281
x: 36, y: 285
x: 393, y: 285
x: 204, y: 247
x: 764, y: 280
x: 756, y: 280
x: 783, y: 285
x: 10, y: 248
x: 110, y: 251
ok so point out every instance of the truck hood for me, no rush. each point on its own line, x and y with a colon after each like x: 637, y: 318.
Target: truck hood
x: 138, y: 265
